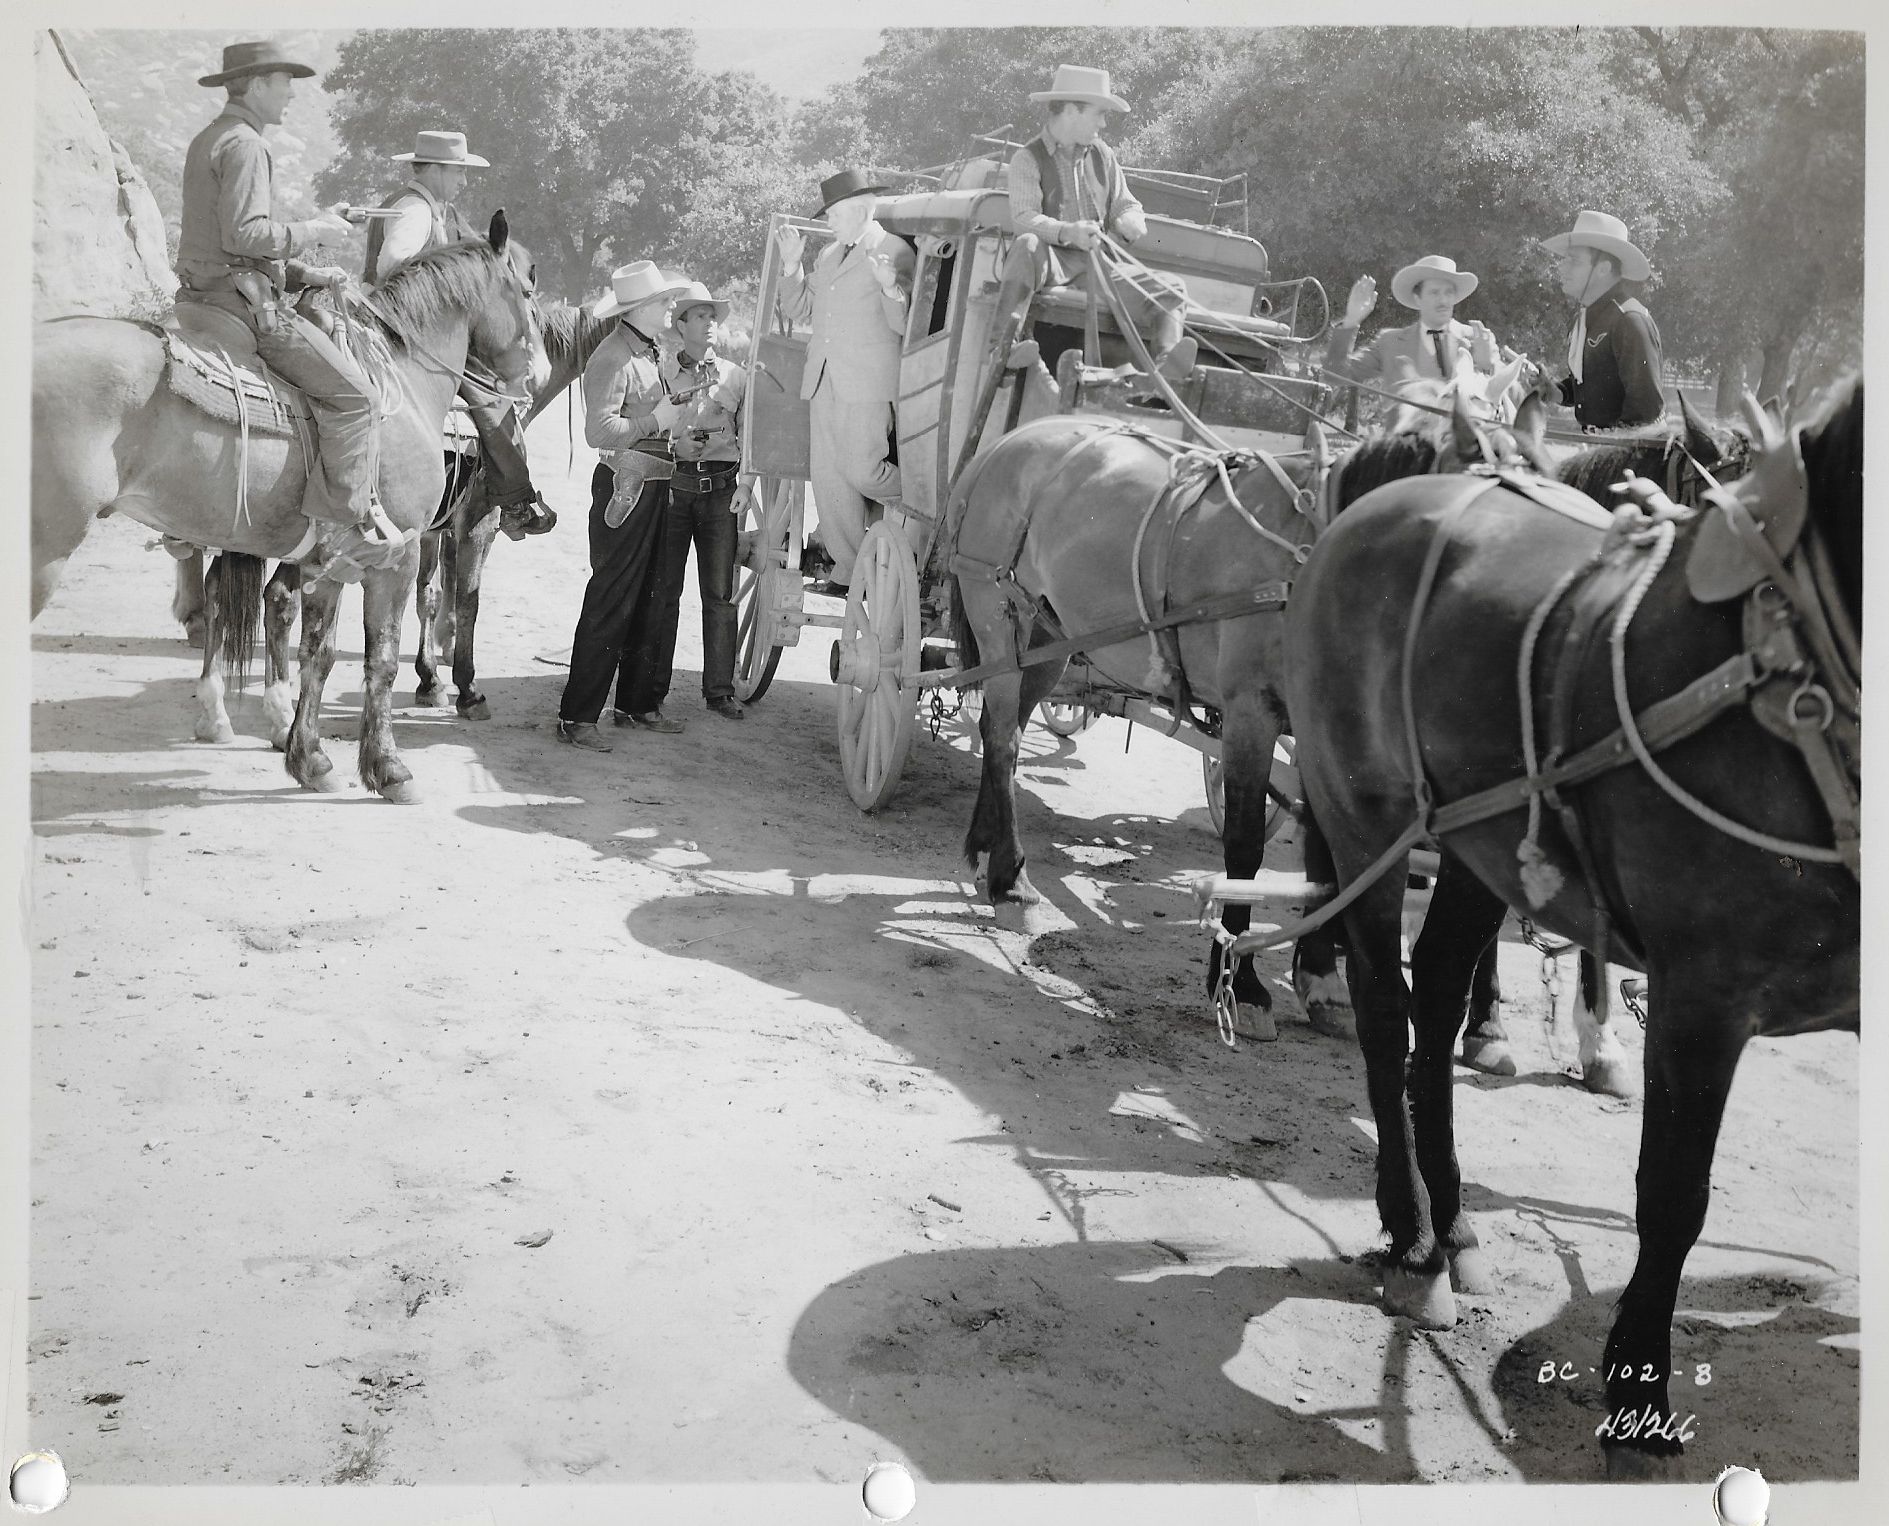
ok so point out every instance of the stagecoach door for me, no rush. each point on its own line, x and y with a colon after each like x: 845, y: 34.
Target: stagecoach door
x: 775, y: 431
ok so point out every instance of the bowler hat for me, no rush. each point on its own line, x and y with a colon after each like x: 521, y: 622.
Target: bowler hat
x: 1597, y: 230
x: 847, y: 183
x: 443, y: 148
x: 241, y: 59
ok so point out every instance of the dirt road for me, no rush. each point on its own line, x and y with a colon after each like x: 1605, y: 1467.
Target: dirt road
x: 657, y: 1116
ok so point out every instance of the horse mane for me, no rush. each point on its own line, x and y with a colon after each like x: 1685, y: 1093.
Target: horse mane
x: 1595, y: 469
x: 454, y: 278
x: 1832, y: 444
x: 1382, y: 459
x: 572, y: 335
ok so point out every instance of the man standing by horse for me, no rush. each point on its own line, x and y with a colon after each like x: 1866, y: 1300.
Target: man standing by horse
x: 856, y: 297
x: 429, y: 218
x: 1427, y: 348
x: 233, y: 254
x: 1067, y: 192
x: 1613, y: 379
x: 628, y: 414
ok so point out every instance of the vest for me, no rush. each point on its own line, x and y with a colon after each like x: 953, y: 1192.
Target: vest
x: 448, y: 227
x: 1098, y: 156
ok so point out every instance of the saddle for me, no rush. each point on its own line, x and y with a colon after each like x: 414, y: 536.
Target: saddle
x: 213, y: 365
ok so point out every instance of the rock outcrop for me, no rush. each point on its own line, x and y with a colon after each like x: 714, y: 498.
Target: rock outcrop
x: 98, y: 237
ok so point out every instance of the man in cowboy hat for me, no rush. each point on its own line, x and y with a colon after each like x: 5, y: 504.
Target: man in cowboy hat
x: 855, y: 297
x: 1614, y: 373
x: 628, y: 414
x: 1430, y: 346
x: 428, y: 219
x: 706, y: 444
x: 1067, y: 191
x: 234, y: 254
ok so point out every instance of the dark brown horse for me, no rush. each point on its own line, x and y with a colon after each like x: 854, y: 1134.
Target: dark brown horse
x: 1746, y: 925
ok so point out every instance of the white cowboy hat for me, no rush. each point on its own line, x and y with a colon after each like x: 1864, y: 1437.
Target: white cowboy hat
x: 1431, y: 267
x: 1597, y: 230
x: 695, y: 294
x: 632, y: 285
x: 442, y: 148
x: 1073, y: 83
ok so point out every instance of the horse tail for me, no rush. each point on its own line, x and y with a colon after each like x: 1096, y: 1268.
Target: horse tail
x: 235, y: 586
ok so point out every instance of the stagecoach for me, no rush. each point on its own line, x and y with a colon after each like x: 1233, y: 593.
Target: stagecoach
x: 957, y: 393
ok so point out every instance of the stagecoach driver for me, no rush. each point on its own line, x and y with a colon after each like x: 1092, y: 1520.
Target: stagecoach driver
x: 628, y: 414
x: 1431, y: 346
x: 233, y: 254
x: 856, y: 297
x: 1067, y: 190
x: 429, y: 217
x: 1613, y: 379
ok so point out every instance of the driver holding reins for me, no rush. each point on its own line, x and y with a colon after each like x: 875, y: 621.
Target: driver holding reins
x: 233, y: 254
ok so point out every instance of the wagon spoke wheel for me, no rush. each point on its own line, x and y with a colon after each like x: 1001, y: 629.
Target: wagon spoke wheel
x: 1282, y: 792
x: 875, y: 664
x: 766, y: 573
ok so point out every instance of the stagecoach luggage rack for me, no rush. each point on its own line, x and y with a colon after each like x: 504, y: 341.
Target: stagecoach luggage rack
x: 1206, y: 199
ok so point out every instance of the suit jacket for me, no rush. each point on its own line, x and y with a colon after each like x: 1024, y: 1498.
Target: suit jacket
x: 857, y: 326
x: 1620, y: 368
x: 1380, y: 359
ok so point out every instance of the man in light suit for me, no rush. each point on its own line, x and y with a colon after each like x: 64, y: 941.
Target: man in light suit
x: 1430, y: 346
x: 856, y: 297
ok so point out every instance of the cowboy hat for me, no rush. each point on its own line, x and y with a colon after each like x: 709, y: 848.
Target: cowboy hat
x: 845, y: 185
x: 632, y: 285
x: 241, y: 59
x: 695, y: 294
x: 442, y: 148
x: 1431, y: 267
x: 1090, y: 86
x: 1597, y: 230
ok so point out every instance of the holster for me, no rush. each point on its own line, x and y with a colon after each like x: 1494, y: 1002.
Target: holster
x: 260, y: 293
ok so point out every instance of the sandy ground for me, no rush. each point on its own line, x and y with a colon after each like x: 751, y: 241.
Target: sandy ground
x: 659, y: 1117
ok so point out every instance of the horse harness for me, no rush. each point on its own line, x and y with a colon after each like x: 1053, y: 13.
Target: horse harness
x: 1798, y: 671
x: 1191, y: 474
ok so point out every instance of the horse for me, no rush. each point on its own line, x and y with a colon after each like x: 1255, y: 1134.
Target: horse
x: 1403, y: 649
x: 110, y: 436
x: 457, y: 549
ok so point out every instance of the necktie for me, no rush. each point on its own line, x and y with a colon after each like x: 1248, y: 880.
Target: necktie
x: 1442, y: 363
x: 1577, y: 344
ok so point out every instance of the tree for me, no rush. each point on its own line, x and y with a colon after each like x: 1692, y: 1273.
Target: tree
x: 602, y: 142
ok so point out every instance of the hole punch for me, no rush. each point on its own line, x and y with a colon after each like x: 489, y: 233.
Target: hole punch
x: 1741, y: 1497
x: 38, y: 1483
x: 888, y: 1492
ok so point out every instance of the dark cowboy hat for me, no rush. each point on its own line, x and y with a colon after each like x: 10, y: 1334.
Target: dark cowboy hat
x: 245, y: 58
x: 846, y: 183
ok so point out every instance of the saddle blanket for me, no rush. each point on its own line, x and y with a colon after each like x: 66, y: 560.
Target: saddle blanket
x: 206, y: 377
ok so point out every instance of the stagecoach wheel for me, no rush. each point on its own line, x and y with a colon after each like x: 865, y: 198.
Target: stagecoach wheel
x: 875, y: 664
x: 762, y: 579
x: 1065, y: 719
x: 1282, y: 793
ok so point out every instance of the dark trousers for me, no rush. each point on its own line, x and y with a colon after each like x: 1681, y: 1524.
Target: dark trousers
x: 704, y: 522
x: 611, y: 643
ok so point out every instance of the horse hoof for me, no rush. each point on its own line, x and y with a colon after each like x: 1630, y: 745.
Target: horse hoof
x: 279, y: 740
x: 432, y: 699
x: 322, y: 784
x: 193, y: 632
x: 478, y: 710
x: 1022, y: 892
x: 1636, y: 1465
x: 1326, y: 1002
x: 1470, y: 1272
x: 1424, y: 1297
x: 1610, y: 1078
x: 1254, y: 1023
x: 1334, y: 1020
x: 221, y: 731
x: 1490, y: 1056
x: 400, y: 791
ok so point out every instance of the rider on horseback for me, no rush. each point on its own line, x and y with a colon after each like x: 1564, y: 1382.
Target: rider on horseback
x: 233, y: 254
x: 428, y: 218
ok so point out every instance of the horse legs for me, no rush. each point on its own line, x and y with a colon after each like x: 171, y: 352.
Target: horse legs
x: 281, y: 607
x: 303, y: 757
x: 475, y: 528
x: 426, y: 603
x: 383, y: 607
x: 1247, y: 734
x: 1323, y: 995
x: 1485, y: 1040
x: 213, y: 721
x: 1693, y: 1041
x: 1604, y: 1066
x: 187, y: 603
x: 1459, y: 934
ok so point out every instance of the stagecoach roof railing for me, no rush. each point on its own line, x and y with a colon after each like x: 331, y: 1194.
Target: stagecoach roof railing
x: 1216, y: 188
